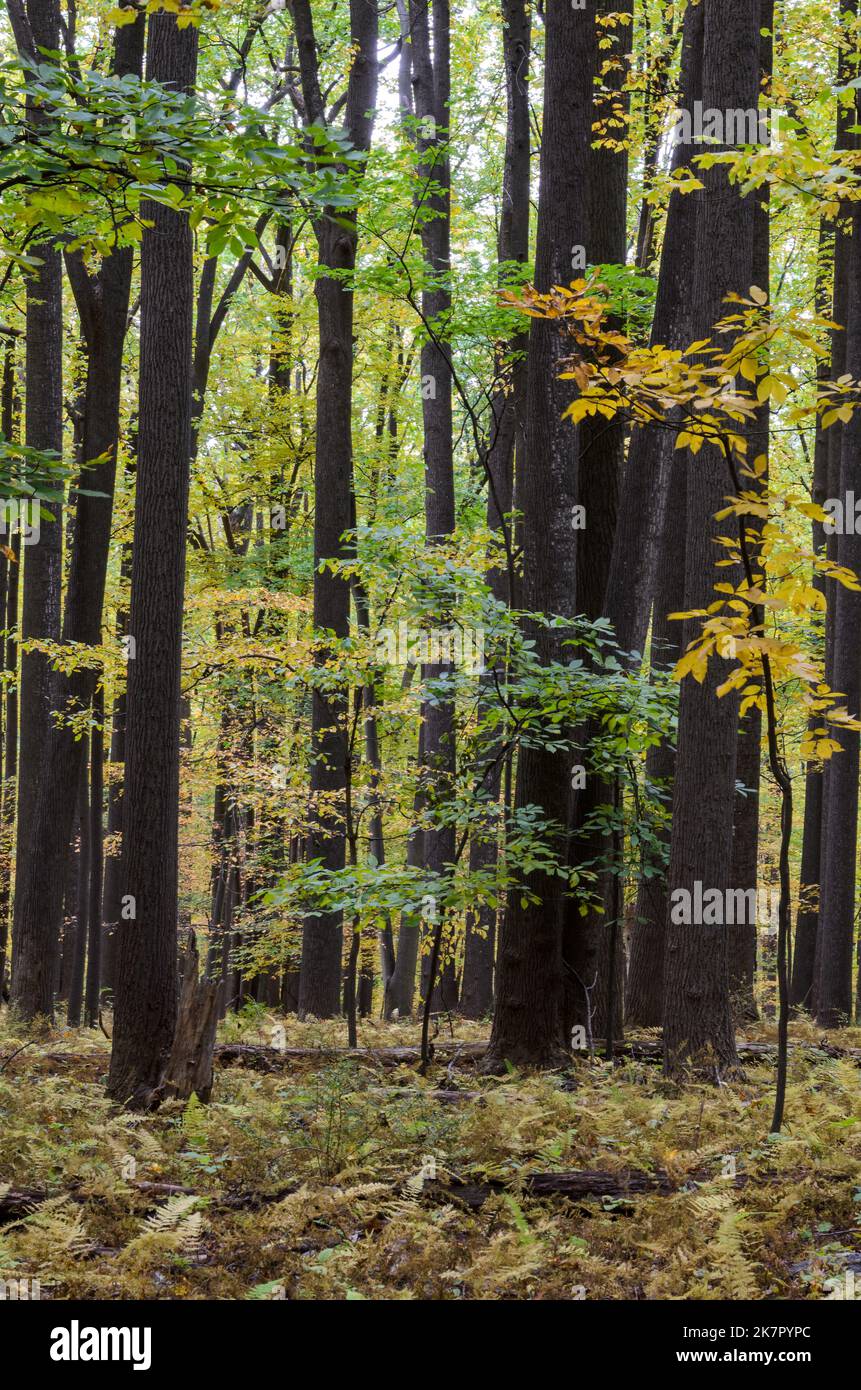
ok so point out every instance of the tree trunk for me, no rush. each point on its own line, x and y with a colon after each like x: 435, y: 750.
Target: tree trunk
x: 527, y: 1009
x: 35, y: 941
x: 146, y: 970
x: 506, y: 425
x: 322, y: 936
x: 698, y: 1020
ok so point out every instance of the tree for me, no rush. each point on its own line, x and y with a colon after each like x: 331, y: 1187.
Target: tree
x: 697, y: 1018
x: 146, y: 972
x: 34, y: 942
x: 527, y: 1018
x: 337, y: 238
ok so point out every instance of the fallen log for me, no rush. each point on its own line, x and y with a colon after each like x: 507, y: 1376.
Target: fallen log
x: 645, y: 1050
x: 274, y: 1059
x: 17, y: 1203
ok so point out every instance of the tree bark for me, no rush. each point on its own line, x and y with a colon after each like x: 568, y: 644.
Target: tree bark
x: 35, y: 941
x: 146, y: 969
x: 322, y: 936
x: 698, y: 1024
x: 527, y: 1010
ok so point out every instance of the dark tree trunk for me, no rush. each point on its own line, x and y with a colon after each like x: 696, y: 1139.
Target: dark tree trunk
x: 103, y: 307
x: 146, y: 969
x: 35, y: 941
x: 639, y: 529
x: 592, y: 944
x: 804, y: 954
x: 742, y: 938
x: 846, y: 139
x: 431, y: 78
x: 506, y: 425
x: 837, y: 894
x: 322, y: 937
x: 9, y: 661
x: 698, y: 1021
x: 94, y: 903
x: 79, y: 942
x: 644, y: 1001
x: 403, y: 982
x: 528, y: 1003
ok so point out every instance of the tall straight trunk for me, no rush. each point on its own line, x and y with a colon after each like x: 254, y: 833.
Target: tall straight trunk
x: 592, y: 945
x: 35, y: 941
x: 644, y: 999
x: 506, y: 425
x: 112, y: 896
x: 94, y: 902
x: 9, y: 662
x: 837, y: 892
x: 102, y: 301
x: 846, y: 140
x: 698, y: 1020
x: 403, y: 982
x: 431, y: 79
x: 742, y: 937
x: 146, y: 966
x: 651, y: 526
x: 639, y: 527
x: 806, y: 925
x: 322, y: 936
x: 79, y: 941
x: 528, y: 1002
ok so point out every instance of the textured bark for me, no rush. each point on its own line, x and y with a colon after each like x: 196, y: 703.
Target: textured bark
x: 643, y: 499
x: 837, y: 893
x: 92, y: 994
x: 506, y: 426
x: 9, y: 567
x: 431, y: 81
x: 322, y: 937
x: 35, y: 941
x: 592, y: 946
x: 527, y: 1010
x: 403, y: 982
x: 644, y: 1001
x: 77, y: 943
x: 146, y: 972
x: 698, y: 1022
x: 742, y: 938
x: 804, y: 954
x: 846, y: 139
x: 189, y: 1068
x: 654, y: 495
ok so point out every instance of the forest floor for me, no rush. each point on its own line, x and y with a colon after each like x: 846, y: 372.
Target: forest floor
x: 328, y: 1177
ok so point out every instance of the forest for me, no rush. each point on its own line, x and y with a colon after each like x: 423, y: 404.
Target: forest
x: 430, y: 651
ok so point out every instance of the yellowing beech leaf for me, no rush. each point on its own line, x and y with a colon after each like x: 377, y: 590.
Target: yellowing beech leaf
x: 757, y: 295
x: 694, y: 663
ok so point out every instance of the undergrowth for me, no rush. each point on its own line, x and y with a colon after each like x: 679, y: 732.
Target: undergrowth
x: 307, y: 1182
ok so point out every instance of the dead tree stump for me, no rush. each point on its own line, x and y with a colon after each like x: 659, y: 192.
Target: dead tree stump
x: 189, y: 1068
